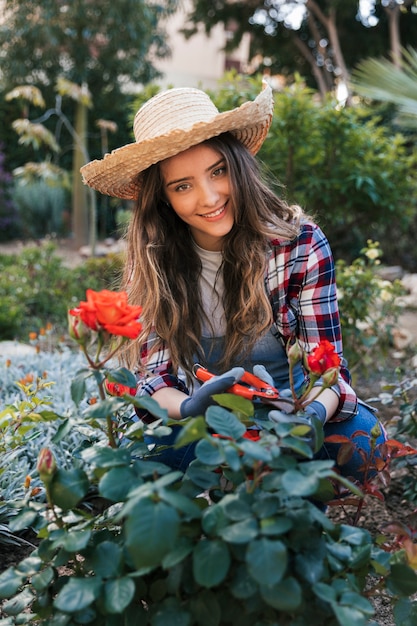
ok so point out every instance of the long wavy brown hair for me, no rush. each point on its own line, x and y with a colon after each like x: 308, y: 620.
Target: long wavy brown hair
x: 163, y: 268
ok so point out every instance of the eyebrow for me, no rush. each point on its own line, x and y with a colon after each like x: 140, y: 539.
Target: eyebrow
x: 182, y: 180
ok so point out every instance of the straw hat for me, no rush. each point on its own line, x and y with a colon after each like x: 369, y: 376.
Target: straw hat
x: 168, y: 124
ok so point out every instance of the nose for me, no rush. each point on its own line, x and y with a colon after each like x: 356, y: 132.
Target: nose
x: 209, y: 194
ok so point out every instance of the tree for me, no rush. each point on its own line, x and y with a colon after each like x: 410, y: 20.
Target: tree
x: 322, y: 38
x: 103, y: 45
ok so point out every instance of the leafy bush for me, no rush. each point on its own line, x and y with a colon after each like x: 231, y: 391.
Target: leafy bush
x: 369, y: 308
x: 236, y: 538
x: 36, y: 288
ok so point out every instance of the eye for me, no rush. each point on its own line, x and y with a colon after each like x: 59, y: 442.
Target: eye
x: 182, y: 187
x: 220, y: 171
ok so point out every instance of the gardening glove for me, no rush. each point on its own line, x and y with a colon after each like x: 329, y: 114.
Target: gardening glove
x: 287, y: 405
x: 314, y: 411
x: 261, y: 372
x: 200, y: 400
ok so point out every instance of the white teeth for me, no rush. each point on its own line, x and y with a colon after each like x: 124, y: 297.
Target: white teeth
x: 215, y: 214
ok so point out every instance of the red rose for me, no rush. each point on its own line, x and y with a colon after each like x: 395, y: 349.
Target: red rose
x: 323, y: 358
x: 110, y: 311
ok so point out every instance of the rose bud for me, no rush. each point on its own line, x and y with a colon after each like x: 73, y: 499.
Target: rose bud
x: 46, y: 465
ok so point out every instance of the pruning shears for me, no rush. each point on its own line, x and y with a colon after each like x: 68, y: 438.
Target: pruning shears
x: 253, y: 388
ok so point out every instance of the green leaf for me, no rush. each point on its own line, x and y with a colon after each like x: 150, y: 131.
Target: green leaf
x: 405, y: 612
x: 204, y: 479
x: 30, y: 565
x: 214, y: 519
x: 284, y: 596
x: 211, y: 562
x: 78, y: 388
x: 106, y: 457
x: 224, y: 423
x: 266, y: 561
x: 349, y: 616
x: 209, y: 453
x: 181, y: 503
x: 116, y: 483
x: 118, y: 594
x: 76, y: 540
x: 182, y: 549
x: 103, y: 409
x: 325, y: 592
x: 150, y: 405
x: 255, y: 450
x: 193, y: 430
x: 106, y: 560
x: 297, y: 483
x: 241, y: 532
x: 237, y: 404
x: 235, y: 507
x: 275, y: 525
x: 68, y: 487
x: 10, y: 581
x: 43, y: 579
x: 77, y: 594
x: 350, y: 598
x: 23, y: 520
x: 151, y: 531
x: 62, y: 431
x: 402, y: 580
x: 19, y: 603
x: 122, y: 376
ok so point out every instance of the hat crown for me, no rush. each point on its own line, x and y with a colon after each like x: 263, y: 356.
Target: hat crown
x: 175, y: 109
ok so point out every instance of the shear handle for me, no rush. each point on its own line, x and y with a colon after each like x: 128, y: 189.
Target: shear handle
x: 257, y: 389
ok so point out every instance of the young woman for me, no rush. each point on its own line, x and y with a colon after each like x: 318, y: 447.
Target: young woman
x: 226, y: 272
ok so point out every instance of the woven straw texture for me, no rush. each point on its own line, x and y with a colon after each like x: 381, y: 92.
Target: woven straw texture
x: 169, y: 123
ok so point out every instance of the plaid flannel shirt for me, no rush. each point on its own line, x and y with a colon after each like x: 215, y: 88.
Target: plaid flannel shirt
x: 300, y: 282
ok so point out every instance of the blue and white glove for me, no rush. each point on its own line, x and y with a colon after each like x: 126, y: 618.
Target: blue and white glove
x: 198, y: 403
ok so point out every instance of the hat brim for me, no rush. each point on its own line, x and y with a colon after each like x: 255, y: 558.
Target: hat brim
x: 117, y: 174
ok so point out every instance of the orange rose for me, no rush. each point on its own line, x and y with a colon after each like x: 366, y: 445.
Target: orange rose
x: 110, y: 311
x: 323, y: 358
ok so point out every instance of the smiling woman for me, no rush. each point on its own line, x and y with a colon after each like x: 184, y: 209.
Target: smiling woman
x: 227, y: 274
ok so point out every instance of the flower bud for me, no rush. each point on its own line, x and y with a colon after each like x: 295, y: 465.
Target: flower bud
x: 330, y: 377
x: 294, y: 353
x: 77, y: 329
x: 46, y: 465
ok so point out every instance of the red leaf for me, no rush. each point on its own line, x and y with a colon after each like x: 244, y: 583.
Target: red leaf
x: 337, y: 439
x: 345, y: 453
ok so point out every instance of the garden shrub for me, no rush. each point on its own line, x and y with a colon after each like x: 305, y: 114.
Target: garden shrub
x: 36, y: 288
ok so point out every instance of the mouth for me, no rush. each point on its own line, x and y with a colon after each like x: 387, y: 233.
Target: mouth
x: 215, y: 213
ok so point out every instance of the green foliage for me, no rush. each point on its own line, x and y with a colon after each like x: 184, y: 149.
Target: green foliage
x: 343, y: 167
x: 36, y: 288
x: 234, y: 539
x: 369, y: 308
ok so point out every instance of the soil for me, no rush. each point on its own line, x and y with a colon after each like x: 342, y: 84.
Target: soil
x: 376, y: 515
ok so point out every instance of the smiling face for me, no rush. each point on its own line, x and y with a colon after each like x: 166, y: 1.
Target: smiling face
x: 197, y: 186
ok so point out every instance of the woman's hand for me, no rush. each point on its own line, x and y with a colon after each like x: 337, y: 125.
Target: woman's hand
x: 200, y: 400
